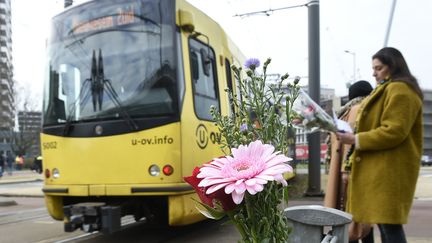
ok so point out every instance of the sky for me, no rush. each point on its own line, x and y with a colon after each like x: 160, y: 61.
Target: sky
x: 356, y: 26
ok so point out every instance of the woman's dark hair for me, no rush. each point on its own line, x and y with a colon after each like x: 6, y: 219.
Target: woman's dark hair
x: 360, y: 88
x: 398, y: 67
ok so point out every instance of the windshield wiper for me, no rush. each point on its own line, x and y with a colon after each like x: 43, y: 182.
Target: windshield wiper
x: 99, y: 83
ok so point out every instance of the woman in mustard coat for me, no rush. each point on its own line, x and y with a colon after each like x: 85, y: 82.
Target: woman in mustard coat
x: 388, y: 146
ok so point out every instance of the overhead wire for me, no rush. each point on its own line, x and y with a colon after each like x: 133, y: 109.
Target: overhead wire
x: 270, y: 11
x: 258, y: 43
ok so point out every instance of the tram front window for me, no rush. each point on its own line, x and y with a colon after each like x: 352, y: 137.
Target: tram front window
x: 106, y: 58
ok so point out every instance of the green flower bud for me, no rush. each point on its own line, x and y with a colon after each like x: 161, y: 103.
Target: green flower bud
x: 234, y: 68
x: 249, y: 73
x: 267, y: 62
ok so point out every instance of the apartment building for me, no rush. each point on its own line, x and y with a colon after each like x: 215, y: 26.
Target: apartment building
x: 29, y: 124
x: 7, y: 110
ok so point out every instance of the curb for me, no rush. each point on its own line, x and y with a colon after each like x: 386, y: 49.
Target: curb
x: 20, y: 193
x: 18, y: 181
x: 7, y: 202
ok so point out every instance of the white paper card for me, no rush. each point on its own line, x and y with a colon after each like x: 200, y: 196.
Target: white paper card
x: 342, y: 125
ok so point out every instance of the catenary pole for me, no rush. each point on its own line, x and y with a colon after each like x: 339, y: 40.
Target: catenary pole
x: 314, y: 168
x: 389, y: 23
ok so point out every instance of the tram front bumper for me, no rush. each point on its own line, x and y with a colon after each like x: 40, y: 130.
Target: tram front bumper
x: 117, y: 190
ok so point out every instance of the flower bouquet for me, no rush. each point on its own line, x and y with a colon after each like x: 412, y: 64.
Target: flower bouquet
x: 248, y: 184
x: 309, y: 116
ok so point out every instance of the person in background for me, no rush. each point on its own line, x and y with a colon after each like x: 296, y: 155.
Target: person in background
x: 2, y: 163
x: 19, y: 162
x: 388, y: 145
x: 10, y: 162
x: 37, y: 164
x: 338, y: 154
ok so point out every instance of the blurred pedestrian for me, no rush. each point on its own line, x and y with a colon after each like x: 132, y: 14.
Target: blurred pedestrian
x: 19, y: 162
x: 10, y: 162
x: 336, y: 189
x: 388, y: 145
x: 2, y: 163
x: 37, y: 164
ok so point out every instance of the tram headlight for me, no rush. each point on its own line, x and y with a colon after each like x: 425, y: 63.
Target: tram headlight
x: 154, y: 170
x: 55, y: 173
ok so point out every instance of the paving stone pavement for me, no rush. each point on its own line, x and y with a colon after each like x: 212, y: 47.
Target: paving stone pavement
x: 423, y: 193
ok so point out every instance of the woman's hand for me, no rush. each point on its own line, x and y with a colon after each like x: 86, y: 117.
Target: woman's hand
x: 346, y: 137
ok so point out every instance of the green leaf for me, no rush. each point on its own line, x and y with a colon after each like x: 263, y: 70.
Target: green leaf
x: 209, y: 212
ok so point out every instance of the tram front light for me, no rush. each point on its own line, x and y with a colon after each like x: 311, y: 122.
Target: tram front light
x: 154, y: 170
x: 56, y: 173
x: 98, y: 130
x: 168, y: 170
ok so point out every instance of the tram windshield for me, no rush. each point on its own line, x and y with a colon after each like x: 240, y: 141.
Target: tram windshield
x: 110, y: 58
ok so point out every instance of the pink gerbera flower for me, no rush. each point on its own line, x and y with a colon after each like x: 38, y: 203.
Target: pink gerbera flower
x: 250, y: 168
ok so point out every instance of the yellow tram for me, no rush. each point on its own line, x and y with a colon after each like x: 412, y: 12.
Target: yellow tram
x: 127, y: 96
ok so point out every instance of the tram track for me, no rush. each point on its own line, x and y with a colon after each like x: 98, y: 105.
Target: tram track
x: 125, y: 223
x: 132, y: 231
x: 129, y: 228
x: 22, y: 216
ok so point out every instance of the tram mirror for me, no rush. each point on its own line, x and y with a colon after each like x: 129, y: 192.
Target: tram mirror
x: 206, y: 61
x: 56, y: 106
x: 59, y: 109
x: 195, y: 66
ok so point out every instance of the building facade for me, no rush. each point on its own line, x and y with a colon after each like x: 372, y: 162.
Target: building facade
x: 7, y: 110
x: 427, y: 122
x: 28, y: 135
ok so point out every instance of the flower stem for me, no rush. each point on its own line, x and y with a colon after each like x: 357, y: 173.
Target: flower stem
x: 251, y: 216
x: 237, y: 224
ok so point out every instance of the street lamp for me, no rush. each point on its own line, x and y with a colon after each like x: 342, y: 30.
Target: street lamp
x: 354, y: 63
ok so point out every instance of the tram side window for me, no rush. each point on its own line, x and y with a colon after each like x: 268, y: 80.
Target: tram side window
x: 203, y: 79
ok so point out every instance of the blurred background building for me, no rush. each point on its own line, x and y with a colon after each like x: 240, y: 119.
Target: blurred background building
x: 7, y: 101
x: 427, y: 121
x: 29, y: 128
